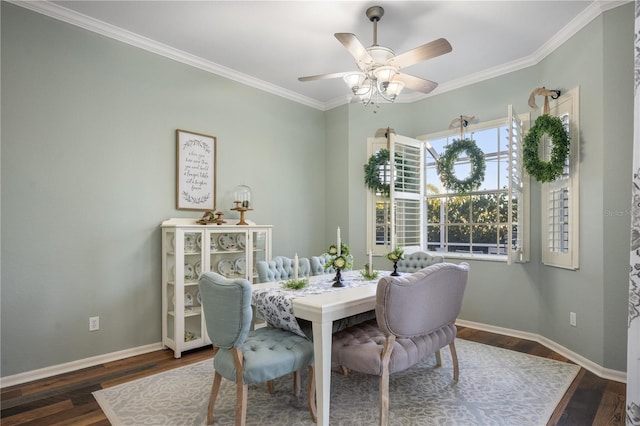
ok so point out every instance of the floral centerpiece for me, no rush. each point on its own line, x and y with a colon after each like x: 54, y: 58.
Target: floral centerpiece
x: 343, y: 260
x: 369, y: 273
x: 394, y: 256
x: 338, y: 260
x: 295, y: 284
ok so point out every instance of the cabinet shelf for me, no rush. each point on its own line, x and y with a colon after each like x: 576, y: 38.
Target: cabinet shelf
x: 186, y: 283
x: 189, y: 312
x: 188, y: 253
x: 184, y: 329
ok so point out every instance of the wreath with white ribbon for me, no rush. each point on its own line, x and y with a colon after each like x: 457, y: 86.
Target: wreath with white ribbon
x: 546, y: 171
x: 448, y: 159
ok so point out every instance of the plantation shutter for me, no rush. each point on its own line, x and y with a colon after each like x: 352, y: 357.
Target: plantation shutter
x: 407, y: 193
x: 560, y: 198
x: 517, y: 232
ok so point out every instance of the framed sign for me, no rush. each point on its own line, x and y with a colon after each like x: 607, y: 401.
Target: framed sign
x: 195, y: 171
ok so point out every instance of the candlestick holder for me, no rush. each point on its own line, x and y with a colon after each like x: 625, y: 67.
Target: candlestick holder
x: 337, y: 280
x: 395, y: 269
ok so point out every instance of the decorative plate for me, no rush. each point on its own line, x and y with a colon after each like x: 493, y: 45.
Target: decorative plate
x: 198, y: 268
x: 190, y: 244
x: 227, y: 242
x: 189, y: 273
x: 188, y: 299
x: 199, y: 241
x: 199, y: 298
x: 241, y: 240
x: 225, y: 267
x: 213, y: 245
x: 241, y: 265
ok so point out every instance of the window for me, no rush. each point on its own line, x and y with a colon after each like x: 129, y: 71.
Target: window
x: 420, y: 214
x: 560, y: 198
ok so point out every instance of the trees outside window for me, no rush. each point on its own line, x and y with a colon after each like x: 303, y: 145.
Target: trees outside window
x: 421, y: 214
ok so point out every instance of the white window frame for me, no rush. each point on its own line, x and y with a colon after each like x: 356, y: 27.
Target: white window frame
x: 374, y: 144
x: 567, y: 106
x: 518, y: 253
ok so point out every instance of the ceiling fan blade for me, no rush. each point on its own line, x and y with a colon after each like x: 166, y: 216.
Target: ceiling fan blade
x: 324, y: 76
x: 355, y: 48
x: 421, y: 53
x: 416, y: 84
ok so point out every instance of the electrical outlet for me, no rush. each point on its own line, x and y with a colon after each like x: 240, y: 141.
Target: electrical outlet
x: 572, y: 319
x: 94, y: 323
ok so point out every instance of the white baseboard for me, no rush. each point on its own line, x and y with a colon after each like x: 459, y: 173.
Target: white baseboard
x: 598, y: 370
x: 605, y: 373
x: 54, y: 370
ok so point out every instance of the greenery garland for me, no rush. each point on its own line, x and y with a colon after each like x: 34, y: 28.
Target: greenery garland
x: 546, y: 171
x: 448, y: 159
x: 372, y: 172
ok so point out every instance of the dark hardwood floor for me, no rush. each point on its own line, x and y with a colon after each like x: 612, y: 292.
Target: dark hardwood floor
x: 67, y: 400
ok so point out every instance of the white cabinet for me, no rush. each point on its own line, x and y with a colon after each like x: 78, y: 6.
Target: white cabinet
x: 188, y: 249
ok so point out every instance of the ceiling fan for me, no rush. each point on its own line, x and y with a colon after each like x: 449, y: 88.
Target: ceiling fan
x: 380, y: 69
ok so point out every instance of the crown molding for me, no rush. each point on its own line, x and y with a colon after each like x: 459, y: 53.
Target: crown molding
x: 83, y: 21
x: 74, y: 18
x: 594, y: 10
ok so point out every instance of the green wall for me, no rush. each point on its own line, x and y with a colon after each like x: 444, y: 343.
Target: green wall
x: 532, y: 297
x: 88, y: 163
x: 617, y: 140
x: 88, y: 175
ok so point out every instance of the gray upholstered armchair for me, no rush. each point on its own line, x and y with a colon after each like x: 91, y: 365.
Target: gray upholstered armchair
x: 281, y: 268
x: 244, y: 356
x: 415, y: 317
x: 415, y: 261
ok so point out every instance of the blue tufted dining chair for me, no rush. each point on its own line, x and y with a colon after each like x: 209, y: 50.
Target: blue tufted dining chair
x: 243, y: 356
x: 317, y: 265
x: 318, y: 262
x: 281, y: 268
x: 418, y: 260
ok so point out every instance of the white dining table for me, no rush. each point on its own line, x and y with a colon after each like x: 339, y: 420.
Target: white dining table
x: 322, y: 309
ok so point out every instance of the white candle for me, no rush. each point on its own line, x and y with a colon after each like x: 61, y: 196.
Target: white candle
x: 370, y: 261
x: 295, y: 266
x: 339, y: 245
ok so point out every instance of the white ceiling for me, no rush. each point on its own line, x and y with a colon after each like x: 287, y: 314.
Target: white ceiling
x: 269, y: 44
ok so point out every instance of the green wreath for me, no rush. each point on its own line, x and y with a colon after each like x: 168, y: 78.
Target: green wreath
x: 372, y: 172
x: 546, y: 171
x: 448, y: 159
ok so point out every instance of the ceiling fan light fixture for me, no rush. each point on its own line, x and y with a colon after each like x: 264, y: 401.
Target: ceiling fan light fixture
x: 365, y: 88
x: 378, y: 78
x: 394, y: 88
x: 380, y: 54
x: 385, y: 74
x: 355, y: 81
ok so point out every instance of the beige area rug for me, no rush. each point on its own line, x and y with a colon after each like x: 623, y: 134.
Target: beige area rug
x: 496, y: 387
